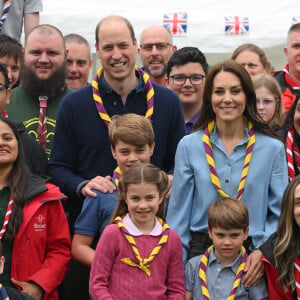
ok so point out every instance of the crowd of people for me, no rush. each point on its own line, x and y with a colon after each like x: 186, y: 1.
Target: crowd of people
x: 174, y: 180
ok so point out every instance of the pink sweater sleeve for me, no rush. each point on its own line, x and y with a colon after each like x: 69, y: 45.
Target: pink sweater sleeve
x: 102, y: 264
x: 175, y: 282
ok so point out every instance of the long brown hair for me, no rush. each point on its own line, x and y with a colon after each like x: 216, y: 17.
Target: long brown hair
x: 288, y: 234
x: 271, y: 84
x: 251, y: 113
x: 17, y: 182
x: 138, y: 173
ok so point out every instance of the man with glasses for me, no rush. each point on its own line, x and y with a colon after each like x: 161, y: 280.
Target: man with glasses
x: 156, y: 48
x: 186, y: 73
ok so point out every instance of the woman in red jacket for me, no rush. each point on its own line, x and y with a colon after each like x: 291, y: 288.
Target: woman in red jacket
x: 35, y: 234
x: 282, y: 250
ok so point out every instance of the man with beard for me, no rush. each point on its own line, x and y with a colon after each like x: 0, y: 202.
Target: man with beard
x: 43, y: 84
x: 156, y: 48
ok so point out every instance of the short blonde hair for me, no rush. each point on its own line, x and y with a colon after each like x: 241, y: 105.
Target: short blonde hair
x: 131, y: 129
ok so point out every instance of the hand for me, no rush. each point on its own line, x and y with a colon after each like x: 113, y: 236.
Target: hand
x: 99, y: 183
x: 29, y: 288
x: 254, y: 269
x: 170, y: 177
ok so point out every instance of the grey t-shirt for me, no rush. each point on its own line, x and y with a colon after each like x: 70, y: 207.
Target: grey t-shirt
x: 14, y: 23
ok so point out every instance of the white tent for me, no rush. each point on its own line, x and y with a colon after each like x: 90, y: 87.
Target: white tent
x: 268, y: 21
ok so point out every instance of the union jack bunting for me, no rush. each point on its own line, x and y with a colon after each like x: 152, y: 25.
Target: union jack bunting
x: 295, y: 20
x: 176, y: 23
x: 236, y: 25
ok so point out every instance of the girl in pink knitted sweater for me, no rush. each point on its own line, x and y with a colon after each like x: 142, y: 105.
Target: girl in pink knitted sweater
x: 139, y: 256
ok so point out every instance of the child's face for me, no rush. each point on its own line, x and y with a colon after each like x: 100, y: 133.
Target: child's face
x: 126, y: 154
x: 143, y: 201
x: 297, y: 205
x: 227, y: 242
x: 266, y: 103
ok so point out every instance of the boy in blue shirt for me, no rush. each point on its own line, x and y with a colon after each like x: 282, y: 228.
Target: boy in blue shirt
x: 132, y: 139
x: 215, y: 273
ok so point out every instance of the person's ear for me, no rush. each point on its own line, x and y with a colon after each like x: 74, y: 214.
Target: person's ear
x: 209, y: 232
x: 113, y: 152
x: 246, y: 232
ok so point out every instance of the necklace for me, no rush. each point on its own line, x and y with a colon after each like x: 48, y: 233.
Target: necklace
x: 211, y: 162
x: 142, y: 263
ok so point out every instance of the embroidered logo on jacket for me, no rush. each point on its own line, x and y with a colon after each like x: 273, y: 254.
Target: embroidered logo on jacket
x: 41, y: 224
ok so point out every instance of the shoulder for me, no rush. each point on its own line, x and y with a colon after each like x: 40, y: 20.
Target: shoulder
x: 78, y: 95
x: 268, y: 141
x: 102, y: 199
x: 192, y: 139
x: 193, y: 263
x: 18, y: 92
x: 111, y: 231
x: 164, y: 94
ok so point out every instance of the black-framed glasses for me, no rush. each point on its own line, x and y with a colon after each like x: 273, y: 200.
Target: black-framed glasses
x: 158, y: 46
x: 2, y: 87
x: 180, y: 79
x: 265, y: 102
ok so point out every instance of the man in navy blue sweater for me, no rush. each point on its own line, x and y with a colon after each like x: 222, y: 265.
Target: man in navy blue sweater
x: 81, y: 160
x: 81, y: 156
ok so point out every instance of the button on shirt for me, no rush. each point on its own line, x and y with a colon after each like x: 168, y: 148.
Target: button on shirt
x: 192, y: 190
x: 220, y: 280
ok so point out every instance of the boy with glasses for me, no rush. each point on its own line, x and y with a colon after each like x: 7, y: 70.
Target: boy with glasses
x: 186, y: 73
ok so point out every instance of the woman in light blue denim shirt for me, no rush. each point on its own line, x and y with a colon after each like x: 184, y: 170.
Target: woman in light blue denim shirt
x: 232, y: 126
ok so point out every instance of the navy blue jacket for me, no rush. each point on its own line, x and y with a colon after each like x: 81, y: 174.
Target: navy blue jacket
x: 81, y: 148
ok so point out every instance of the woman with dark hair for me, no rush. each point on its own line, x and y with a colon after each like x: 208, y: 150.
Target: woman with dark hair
x: 35, y: 233
x: 232, y: 153
x: 290, y: 131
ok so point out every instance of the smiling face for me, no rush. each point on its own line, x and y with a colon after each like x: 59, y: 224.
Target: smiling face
x: 227, y: 243
x: 188, y: 93
x: 8, y: 146
x: 126, y: 155
x: 13, y: 68
x: 78, y: 64
x: 143, y: 201
x: 156, y: 50
x: 44, y: 53
x: 228, y: 98
x: 116, y: 50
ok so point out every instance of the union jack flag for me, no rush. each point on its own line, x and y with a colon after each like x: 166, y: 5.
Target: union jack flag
x: 176, y: 23
x: 295, y: 20
x: 236, y: 25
